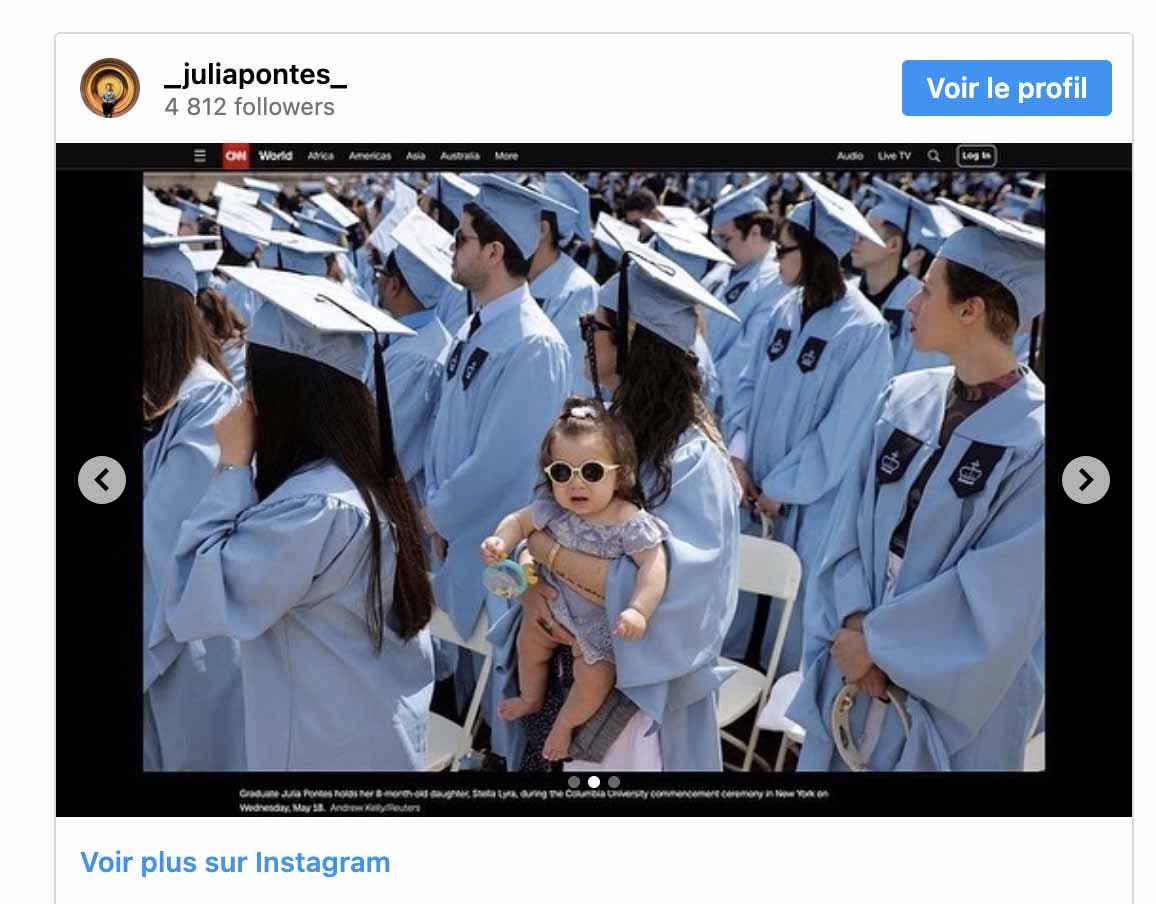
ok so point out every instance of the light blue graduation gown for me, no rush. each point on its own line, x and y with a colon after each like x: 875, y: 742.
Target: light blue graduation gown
x: 751, y: 291
x: 452, y: 309
x: 287, y: 576
x: 414, y: 371
x: 502, y: 390
x: 234, y: 352
x: 711, y: 387
x: 566, y: 292
x: 243, y: 299
x: 193, y: 708
x: 673, y: 672
x: 962, y: 631
x: 805, y: 401
x: 905, y: 356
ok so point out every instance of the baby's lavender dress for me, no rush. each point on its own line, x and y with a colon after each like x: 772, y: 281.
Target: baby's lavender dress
x: 582, y: 618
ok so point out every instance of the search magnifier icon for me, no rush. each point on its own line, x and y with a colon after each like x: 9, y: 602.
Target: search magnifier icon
x: 933, y: 155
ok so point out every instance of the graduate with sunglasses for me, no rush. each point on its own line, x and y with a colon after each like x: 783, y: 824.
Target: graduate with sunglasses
x: 589, y: 502
x: 801, y: 412
x: 664, y: 713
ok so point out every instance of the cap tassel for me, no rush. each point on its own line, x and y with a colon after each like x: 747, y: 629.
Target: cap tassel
x: 380, y: 389
x: 469, y: 303
x: 623, y: 332
x: 384, y: 420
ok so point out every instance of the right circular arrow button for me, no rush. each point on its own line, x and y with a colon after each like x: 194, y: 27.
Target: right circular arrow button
x: 1086, y: 479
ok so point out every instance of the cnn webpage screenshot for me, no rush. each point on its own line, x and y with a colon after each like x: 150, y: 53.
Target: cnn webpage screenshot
x: 452, y: 460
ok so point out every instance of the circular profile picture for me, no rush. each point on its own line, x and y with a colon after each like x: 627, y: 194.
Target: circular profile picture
x: 110, y: 88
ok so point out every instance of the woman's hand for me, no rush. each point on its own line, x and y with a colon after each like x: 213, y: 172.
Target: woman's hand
x: 237, y: 435
x: 493, y: 550
x: 768, y: 507
x: 539, y: 620
x: 750, y: 491
x: 850, y: 654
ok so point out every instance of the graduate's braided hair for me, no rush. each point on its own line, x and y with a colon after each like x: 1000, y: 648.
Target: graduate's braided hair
x: 308, y: 412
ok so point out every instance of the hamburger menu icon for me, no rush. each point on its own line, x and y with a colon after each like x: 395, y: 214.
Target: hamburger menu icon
x: 110, y: 87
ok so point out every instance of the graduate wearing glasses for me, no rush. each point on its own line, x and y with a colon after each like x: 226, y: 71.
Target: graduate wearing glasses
x: 803, y: 404
x: 924, y: 646
x: 306, y: 547
x: 639, y: 339
x: 507, y: 374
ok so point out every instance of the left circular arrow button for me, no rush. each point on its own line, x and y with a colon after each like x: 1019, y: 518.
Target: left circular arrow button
x: 101, y: 479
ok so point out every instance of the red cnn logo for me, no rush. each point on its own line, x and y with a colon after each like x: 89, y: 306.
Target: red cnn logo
x: 235, y: 156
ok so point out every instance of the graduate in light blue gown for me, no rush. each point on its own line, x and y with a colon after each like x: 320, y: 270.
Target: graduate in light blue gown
x: 306, y: 547
x: 931, y: 587
x: 802, y: 410
x: 697, y: 255
x: 565, y: 291
x: 742, y: 227
x: 225, y: 324
x: 446, y: 198
x: 886, y: 282
x: 412, y: 281
x: 641, y: 334
x: 192, y: 691
x: 506, y: 377
x: 266, y: 191
x: 244, y: 232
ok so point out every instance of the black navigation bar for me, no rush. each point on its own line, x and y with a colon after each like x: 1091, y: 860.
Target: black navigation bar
x: 629, y: 157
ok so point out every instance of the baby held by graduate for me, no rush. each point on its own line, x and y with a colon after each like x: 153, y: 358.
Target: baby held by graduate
x: 590, y: 463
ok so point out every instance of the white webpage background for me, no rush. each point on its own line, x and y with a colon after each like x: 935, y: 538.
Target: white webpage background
x: 1036, y: 860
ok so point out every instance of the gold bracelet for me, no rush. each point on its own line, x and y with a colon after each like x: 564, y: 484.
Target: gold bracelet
x: 553, y: 555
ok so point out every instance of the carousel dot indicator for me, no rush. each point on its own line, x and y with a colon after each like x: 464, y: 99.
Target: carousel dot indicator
x: 614, y: 781
x: 593, y: 781
x: 573, y: 781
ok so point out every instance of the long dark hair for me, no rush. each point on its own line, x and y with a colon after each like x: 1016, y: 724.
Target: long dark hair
x: 174, y: 337
x: 307, y: 412
x: 660, y: 398
x: 821, y: 278
x: 224, y: 323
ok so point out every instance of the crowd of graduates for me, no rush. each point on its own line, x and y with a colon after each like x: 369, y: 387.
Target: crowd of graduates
x: 347, y: 386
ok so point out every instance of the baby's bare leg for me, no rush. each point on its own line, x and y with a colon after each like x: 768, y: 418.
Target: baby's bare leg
x: 533, y: 674
x: 592, y: 685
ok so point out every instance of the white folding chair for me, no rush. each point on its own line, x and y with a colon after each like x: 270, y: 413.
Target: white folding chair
x: 449, y: 741
x: 768, y: 568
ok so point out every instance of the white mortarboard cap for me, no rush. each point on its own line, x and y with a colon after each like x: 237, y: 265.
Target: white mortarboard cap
x: 281, y: 220
x: 298, y: 254
x: 204, y: 263
x: 316, y: 318
x: 235, y: 194
x: 612, y: 234
x: 168, y: 262
x: 267, y: 191
x: 895, y: 206
x: 931, y: 225
x: 517, y: 210
x: 1013, y: 206
x: 333, y: 211
x: 1032, y: 184
x: 160, y: 218
x: 565, y: 188
x: 1011, y: 253
x: 687, y: 248
x: 191, y: 211
x: 404, y: 200
x: 748, y: 199
x: 658, y: 294
x: 683, y: 216
x: 310, y: 188
x: 831, y: 219
x: 452, y: 192
x: 244, y: 228
x: 424, y: 253
x: 312, y: 224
